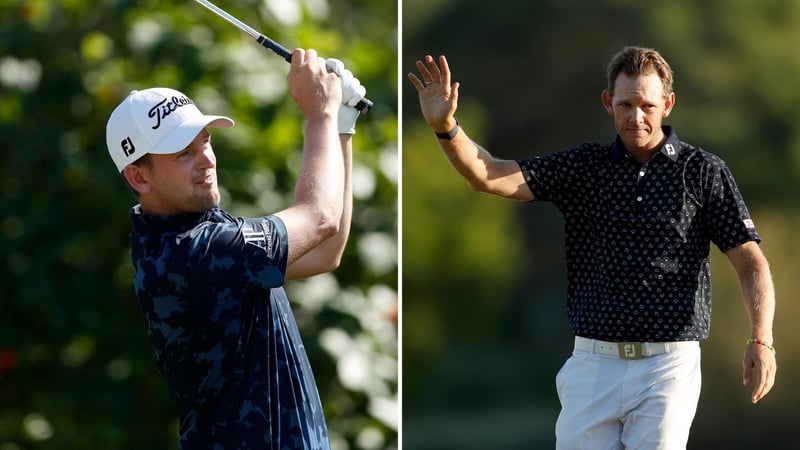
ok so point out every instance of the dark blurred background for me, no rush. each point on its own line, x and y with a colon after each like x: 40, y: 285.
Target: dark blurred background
x: 484, y: 323
x: 76, y: 369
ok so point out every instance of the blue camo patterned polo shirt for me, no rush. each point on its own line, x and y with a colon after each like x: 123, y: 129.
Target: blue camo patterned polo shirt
x: 225, y: 338
x: 638, y: 236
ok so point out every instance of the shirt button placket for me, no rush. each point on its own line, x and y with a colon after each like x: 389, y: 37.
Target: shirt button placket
x: 640, y: 188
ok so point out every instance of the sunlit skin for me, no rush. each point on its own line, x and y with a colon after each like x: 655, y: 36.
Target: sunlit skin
x: 639, y: 107
x: 180, y: 182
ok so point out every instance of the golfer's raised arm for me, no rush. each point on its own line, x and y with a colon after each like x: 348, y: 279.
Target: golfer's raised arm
x: 317, y: 210
x: 438, y: 99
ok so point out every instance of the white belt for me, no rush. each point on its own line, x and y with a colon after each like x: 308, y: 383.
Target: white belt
x: 629, y: 350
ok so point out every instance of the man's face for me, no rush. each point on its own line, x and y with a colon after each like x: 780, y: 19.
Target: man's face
x: 185, y: 181
x: 638, y: 107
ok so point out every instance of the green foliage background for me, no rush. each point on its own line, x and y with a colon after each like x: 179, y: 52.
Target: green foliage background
x: 76, y: 370
x: 484, y: 322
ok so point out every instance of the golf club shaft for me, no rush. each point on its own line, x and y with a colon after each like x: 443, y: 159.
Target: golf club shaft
x: 363, y: 106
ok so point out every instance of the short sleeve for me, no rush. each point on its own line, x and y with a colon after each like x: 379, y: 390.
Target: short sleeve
x: 252, y: 250
x: 554, y: 177
x: 729, y: 219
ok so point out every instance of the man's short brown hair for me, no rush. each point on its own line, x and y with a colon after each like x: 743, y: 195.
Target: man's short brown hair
x: 639, y: 61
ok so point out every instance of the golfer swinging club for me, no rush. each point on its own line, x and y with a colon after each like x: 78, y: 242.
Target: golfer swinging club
x: 640, y: 214
x: 210, y: 285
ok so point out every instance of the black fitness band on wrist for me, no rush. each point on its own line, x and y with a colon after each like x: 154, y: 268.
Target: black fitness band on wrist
x: 450, y: 134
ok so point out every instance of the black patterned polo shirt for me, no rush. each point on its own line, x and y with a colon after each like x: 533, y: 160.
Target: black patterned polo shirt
x: 638, y: 236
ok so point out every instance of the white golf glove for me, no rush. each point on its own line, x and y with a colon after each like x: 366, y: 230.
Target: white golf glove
x: 352, y: 93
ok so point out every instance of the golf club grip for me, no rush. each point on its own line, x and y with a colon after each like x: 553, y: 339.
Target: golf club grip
x: 279, y: 50
x: 363, y: 105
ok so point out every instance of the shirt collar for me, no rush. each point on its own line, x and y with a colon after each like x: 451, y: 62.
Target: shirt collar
x: 670, y: 149
x: 160, y: 223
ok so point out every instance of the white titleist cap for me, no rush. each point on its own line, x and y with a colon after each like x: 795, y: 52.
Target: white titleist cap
x: 156, y: 120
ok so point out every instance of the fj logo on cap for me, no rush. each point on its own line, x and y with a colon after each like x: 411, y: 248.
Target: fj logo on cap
x: 127, y: 146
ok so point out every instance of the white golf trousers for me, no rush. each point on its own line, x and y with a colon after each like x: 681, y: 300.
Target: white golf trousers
x: 610, y: 403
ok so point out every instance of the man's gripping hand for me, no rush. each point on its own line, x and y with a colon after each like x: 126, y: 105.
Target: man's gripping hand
x: 352, y: 93
x: 313, y: 88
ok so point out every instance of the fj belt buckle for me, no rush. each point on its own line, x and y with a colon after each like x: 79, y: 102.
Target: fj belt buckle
x: 630, y: 350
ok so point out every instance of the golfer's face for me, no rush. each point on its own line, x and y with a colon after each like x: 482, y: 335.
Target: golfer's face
x: 186, y: 181
x: 639, y: 107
